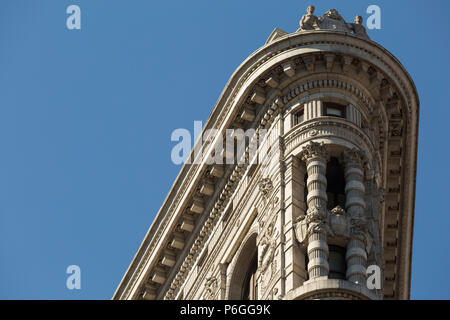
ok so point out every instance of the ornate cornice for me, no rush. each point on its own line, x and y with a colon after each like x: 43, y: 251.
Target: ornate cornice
x: 214, y: 216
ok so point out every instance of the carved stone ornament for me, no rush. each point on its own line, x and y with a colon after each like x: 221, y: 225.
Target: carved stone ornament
x: 314, y: 221
x: 301, y: 230
x: 354, y: 158
x: 266, y: 259
x: 268, y: 249
x: 332, y: 20
x: 313, y: 150
x: 309, y: 21
x: 358, y: 28
x: 336, y: 223
x: 265, y: 186
x: 211, y: 286
x: 360, y: 229
x: 339, y: 222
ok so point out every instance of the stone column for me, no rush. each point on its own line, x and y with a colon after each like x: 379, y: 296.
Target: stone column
x: 315, y: 157
x: 356, y: 255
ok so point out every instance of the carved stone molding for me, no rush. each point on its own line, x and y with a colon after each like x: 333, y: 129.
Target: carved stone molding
x: 325, y: 128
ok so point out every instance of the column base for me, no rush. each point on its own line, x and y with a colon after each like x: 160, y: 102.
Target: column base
x: 323, y: 288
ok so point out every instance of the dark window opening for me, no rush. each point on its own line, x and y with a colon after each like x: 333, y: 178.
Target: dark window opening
x: 299, y: 117
x: 335, y: 184
x: 334, y: 109
x: 305, y: 190
x: 250, y: 284
x: 336, y: 261
x: 364, y: 124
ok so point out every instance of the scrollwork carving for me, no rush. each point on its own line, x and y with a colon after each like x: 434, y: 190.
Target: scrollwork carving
x: 211, y: 286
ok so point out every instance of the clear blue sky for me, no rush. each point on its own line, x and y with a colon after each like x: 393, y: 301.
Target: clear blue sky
x: 86, y: 118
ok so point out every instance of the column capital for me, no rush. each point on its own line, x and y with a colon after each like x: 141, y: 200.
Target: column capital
x: 314, y: 150
x: 354, y: 158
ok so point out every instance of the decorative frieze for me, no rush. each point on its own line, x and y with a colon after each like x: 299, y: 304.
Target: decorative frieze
x: 335, y: 128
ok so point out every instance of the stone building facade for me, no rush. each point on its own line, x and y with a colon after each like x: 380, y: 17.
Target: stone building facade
x: 329, y: 195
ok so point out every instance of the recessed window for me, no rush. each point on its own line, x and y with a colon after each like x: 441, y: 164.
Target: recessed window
x: 336, y: 261
x: 334, y: 112
x: 334, y: 109
x: 250, y: 285
x: 299, y: 117
x: 335, y: 184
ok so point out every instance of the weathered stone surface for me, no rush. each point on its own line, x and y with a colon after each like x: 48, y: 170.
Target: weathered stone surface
x: 321, y: 95
x: 332, y: 21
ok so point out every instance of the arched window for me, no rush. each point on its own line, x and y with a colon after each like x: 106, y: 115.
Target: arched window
x: 250, y: 289
x: 243, y: 284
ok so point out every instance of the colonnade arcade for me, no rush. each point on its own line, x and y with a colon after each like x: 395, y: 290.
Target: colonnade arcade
x: 336, y: 233
x: 337, y: 227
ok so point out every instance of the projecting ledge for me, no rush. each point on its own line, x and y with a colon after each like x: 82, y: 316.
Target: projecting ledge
x: 331, y: 289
